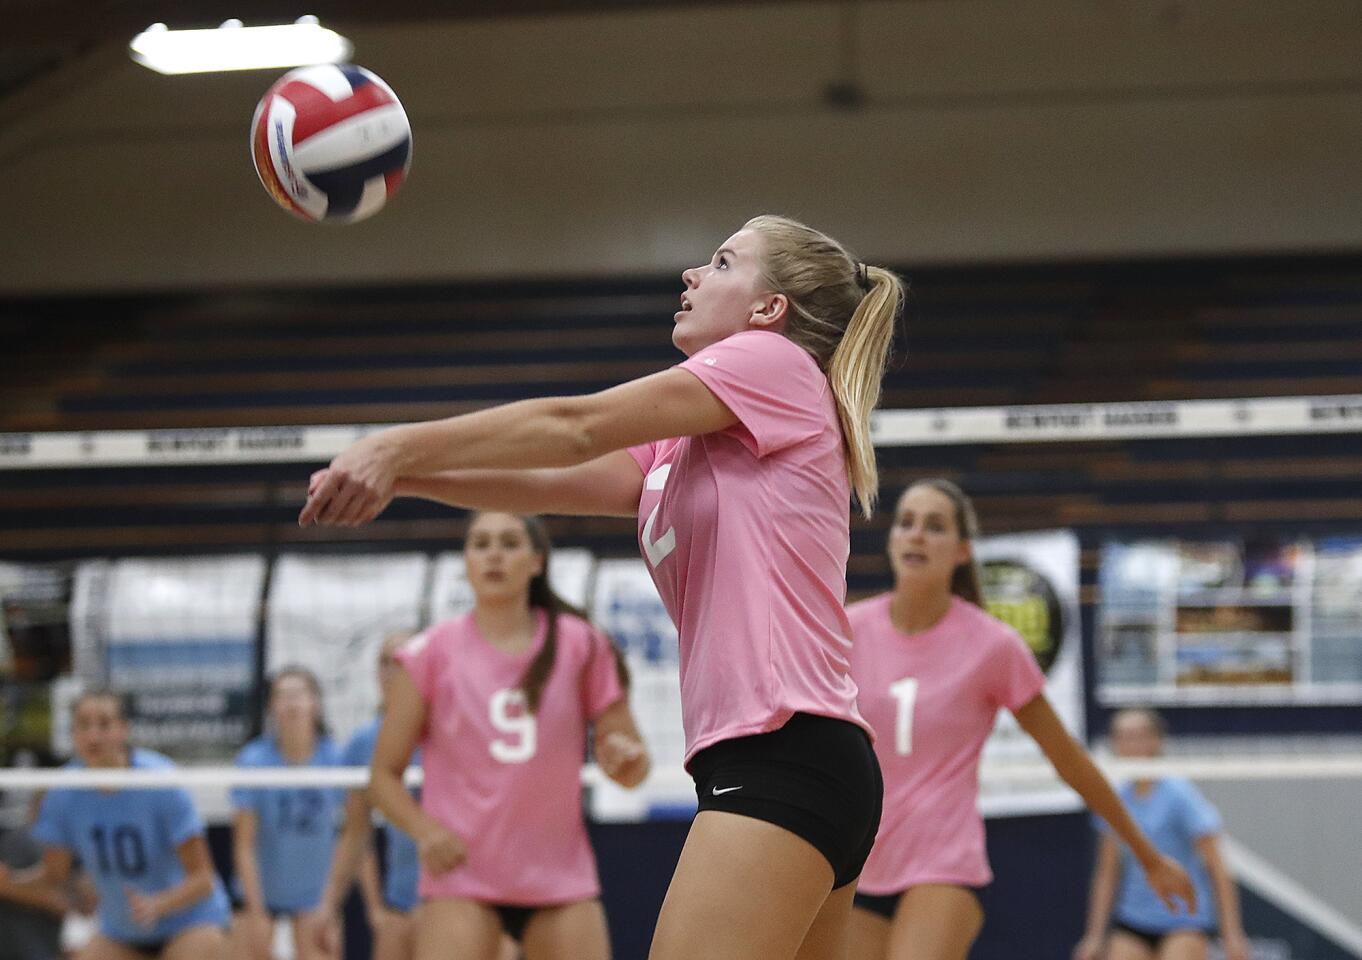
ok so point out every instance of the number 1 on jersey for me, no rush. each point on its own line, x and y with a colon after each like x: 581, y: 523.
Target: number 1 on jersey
x: 905, y: 692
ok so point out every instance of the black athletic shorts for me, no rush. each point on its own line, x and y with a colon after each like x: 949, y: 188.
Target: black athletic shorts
x: 1153, y: 939
x: 150, y: 949
x: 887, y: 904
x: 274, y: 913
x: 816, y: 777
x: 515, y: 918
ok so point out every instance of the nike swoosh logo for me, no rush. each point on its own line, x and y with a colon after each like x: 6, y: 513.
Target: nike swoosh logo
x: 717, y: 792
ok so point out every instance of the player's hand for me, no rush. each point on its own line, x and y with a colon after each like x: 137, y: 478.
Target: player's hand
x: 1236, y: 945
x: 144, y: 910
x: 355, y: 488
x: 440, y: 850
x: 326, y: 926
x: 1089, y: 948
x: 383, y: 919
x: 1172, y: 884
x: 622, y: 758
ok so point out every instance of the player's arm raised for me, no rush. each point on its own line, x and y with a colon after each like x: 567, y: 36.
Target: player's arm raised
x: 556, y: 432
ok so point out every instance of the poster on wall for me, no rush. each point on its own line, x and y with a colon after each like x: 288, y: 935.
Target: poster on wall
x: 1230, y: 622
x: 178, y: 635
x: 1030, y: 581
x: 331, y: 613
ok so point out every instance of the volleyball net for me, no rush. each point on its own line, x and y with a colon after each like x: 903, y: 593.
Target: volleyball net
x: 1199, y: 557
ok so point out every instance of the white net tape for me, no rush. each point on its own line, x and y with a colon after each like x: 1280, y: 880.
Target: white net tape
x: 1250, y: 767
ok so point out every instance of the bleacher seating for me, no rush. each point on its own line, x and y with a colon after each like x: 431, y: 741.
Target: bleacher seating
x: 978, y: 336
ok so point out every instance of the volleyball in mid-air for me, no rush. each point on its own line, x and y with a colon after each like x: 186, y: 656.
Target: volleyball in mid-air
x: 331, y: 142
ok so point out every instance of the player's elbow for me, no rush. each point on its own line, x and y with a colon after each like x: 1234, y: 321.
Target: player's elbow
x: 580, y: 424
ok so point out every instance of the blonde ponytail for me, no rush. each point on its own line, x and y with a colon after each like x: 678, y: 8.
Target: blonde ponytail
x: 843, y: 313
x: 855, y: 372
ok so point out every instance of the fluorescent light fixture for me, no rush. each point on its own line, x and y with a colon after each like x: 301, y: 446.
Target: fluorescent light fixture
x: 235, y: 47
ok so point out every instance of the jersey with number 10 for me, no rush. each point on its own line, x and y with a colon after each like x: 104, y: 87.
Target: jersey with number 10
x: 129, y: 840
x: 746, y: 532
x: 933, y: 698
x: 508, y: 782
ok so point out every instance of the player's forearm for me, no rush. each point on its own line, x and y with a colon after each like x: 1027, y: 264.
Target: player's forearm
x: 510, y: 491
x: 352, y: 845
x: 1226, y: 896
x: 196, y: 886
x: 34, y: 890
x: 248, y: 873
x: 392, y: 798
x: 1100, y: 900
x: 1078, y: 771
x: 370, y: 889
x: 548, y: 432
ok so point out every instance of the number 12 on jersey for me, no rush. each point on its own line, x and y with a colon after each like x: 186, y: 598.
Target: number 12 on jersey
x: 905, y: 693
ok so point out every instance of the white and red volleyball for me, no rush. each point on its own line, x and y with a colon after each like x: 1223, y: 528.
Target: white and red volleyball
x: 331, y: 142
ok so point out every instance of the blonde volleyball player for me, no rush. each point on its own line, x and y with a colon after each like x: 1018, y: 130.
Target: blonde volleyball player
x: 500, y: 701
x: 1182, y: 824
x: 739, y: 465
x: 283, y: 837
x: 933, y: 670
x: 146, y: 850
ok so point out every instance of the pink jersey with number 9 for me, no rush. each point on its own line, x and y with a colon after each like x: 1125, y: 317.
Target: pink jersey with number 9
x: 506, y: 781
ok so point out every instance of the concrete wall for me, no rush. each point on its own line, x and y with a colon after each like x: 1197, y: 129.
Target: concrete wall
x: 632, y: 143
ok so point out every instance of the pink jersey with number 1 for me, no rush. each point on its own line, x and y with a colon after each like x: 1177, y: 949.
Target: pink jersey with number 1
x: 746, y: 533
x: 933, y: 698
x: 508, y: 782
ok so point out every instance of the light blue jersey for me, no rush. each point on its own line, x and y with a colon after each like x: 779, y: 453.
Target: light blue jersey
x: 401, y: 862
x: 1174, y: 815
x: 295, y: 828
x: 128, y: 840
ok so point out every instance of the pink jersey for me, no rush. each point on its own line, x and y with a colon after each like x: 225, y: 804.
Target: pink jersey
x: 746, y: 533
x: 932, y: 698
x: 505, y: 781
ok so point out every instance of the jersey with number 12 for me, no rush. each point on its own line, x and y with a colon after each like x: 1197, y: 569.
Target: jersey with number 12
x: 295, y: 827
x: 507, y: 781
x: 746, y: 534
x: 933, y: 698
